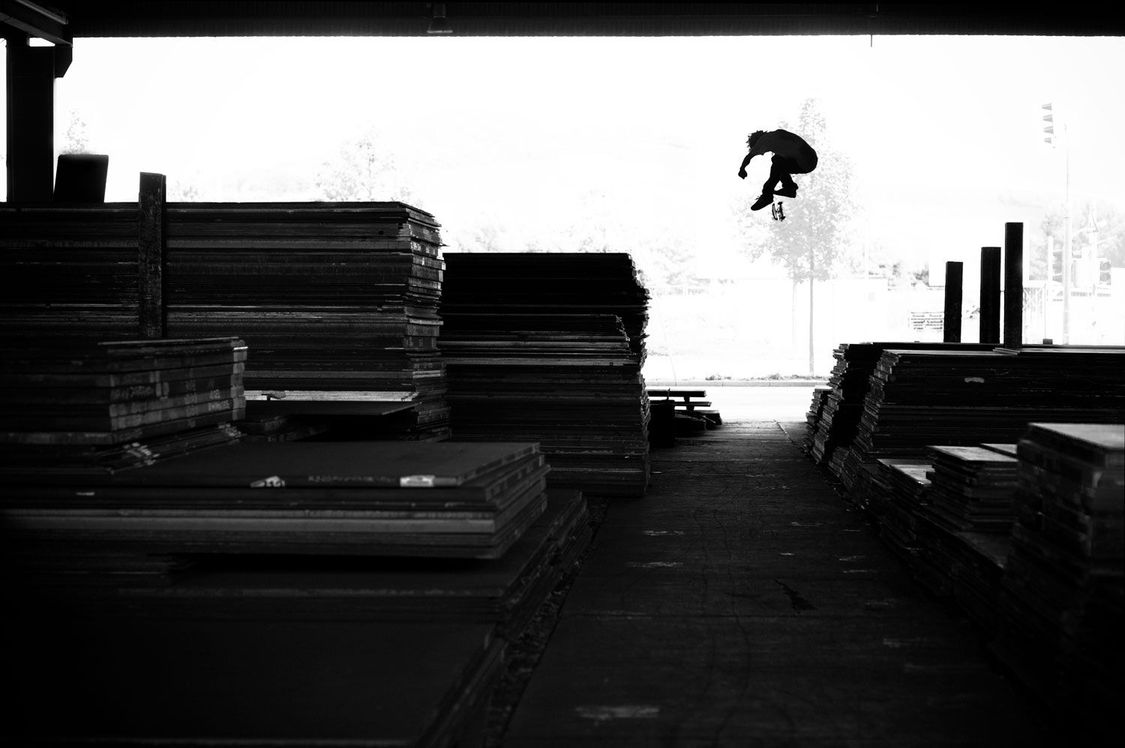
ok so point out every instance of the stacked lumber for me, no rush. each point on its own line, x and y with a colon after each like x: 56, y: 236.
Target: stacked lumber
x: 972, y: 489
x: 1063, y: 601
x: 68, y: 273
x: 896, y: 493
x: 549, y: 283
x: 918, y: 398
x: 393, y: 498
x: 812, y: 417
x: 91, y: 397
x: 338, y: 301
x: 848, y: 383
x: 504, y: 591
x: 548, y: 348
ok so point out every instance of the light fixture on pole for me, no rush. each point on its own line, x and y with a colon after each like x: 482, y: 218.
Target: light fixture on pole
x: 1049, y: 124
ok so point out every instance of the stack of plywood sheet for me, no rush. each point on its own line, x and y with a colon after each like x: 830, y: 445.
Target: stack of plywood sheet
x: 1063, y: 602
x: 548, y: 348
x: 918, y: 398
x: 68, y: 273
x: 505, y: 591
x: 848, y: 385
x: 116, y: 392
x: 972, y: 488
x: 465, y: 500
x: 85, y: 409
x: 338, y: 301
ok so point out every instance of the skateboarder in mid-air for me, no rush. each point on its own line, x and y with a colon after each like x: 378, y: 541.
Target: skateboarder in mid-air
x: 791, y: 155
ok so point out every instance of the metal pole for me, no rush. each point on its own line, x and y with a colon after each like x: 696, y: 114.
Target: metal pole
x: 1047, y: 283
x: 1067, y: 259
x: 812, y: 283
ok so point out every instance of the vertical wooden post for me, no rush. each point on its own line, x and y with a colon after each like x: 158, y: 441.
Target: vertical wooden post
x: 1013, y: 284
x: 990, y: 294
x: 150, y: 264
x: 951, y: 327
x: 31, y: 122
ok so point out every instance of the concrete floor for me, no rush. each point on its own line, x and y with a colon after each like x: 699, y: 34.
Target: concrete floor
x: 743, y: 602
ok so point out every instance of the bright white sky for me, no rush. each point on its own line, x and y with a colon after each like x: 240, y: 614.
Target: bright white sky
x: 943, y: 132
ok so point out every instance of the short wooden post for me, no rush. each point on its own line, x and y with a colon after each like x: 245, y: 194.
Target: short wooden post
x: 150, y: 265
x: 1013, y: 284
x: 990, y: 295
x: 951, y: 326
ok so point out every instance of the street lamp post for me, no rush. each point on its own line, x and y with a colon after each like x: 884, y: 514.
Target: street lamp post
x: 1049, y: 132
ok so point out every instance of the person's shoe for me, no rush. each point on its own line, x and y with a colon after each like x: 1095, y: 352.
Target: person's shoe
x: 764, y: 200
x: 787, y: 191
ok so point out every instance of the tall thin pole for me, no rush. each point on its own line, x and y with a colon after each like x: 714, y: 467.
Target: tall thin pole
x: 812, y: 284
x: 1066, y: 273
x: 1047, y: 283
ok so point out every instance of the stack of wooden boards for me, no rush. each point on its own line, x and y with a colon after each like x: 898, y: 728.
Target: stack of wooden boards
x: 835, y: 412
x: 69, y: 273
x: 336, y: 298
x: 336, y: 301
x: 972, y: 488
x: 997, y: 476
x: 99, y: 408
x: 464, y: 500
x: 549, y: 348
x: 940, y: 396
x: 1063, y: 597
x: 302, y: 591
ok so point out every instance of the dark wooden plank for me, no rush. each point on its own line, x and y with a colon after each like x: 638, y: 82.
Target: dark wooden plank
x: 151, y: 250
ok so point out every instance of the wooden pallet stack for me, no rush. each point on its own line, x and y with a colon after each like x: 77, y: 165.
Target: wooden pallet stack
x: 1062, y: 607
x: 338, y: 301
x: 548, y: 348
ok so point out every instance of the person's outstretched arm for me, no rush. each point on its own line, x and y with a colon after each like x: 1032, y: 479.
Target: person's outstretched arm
x: 745, y: 163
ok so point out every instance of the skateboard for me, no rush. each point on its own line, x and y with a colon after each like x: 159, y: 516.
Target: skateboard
x: 777, y: 211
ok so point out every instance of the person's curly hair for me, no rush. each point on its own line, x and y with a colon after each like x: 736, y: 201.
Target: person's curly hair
x: 753, y: 137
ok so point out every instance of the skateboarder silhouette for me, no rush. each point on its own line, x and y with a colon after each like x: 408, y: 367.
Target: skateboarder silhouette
x: 791, y: 155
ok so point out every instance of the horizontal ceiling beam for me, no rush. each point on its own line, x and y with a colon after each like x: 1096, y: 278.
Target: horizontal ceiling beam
x: 119, y: 18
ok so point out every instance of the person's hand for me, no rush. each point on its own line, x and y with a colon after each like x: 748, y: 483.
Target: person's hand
x: 742, y: 174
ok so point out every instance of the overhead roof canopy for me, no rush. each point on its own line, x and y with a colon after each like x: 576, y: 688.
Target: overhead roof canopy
x: 147, y: 18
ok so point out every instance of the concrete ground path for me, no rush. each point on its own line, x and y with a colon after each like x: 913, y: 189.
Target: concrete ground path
x: 744, y: 602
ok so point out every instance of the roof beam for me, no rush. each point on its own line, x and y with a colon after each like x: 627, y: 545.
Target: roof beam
x: 36, y: 20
